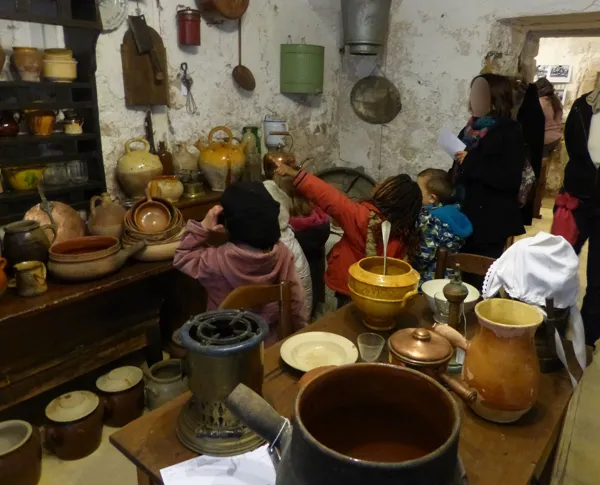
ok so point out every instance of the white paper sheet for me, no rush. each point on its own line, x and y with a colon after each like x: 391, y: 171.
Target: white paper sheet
x: 449, y: 142
x: 253, y: 468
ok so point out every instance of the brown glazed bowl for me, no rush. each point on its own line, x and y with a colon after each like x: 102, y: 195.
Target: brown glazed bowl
x: 20, y: 453
x: 122, y: 392
x: 73, y: 425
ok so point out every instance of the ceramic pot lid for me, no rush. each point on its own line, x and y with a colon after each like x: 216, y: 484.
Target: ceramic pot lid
x: 72, y: 406
x: 120, y: 379
x: 420, y: 346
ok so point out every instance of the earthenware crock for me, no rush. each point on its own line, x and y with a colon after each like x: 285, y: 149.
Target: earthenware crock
x: 381, y: 298
x: 165, y: 381
x: 222, y: 162
x: 73, y: 427
x: 106, y: 216
x: 27, y: 241
x: 360, y: 424
x: 122, y: 392
x: 166, y: 186
x: 20, y: 453
x: 501, y: 363
x: 28, y: 62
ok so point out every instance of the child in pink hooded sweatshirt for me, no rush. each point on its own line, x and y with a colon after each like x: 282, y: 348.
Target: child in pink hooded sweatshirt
x: 253, y: 255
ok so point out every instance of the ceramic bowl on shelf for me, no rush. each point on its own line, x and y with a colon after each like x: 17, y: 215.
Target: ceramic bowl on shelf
x: 24, y: 178
x: 41, y: 122
x: 60, y: 71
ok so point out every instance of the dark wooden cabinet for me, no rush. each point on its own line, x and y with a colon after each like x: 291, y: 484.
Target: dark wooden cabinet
x: 81, y: 22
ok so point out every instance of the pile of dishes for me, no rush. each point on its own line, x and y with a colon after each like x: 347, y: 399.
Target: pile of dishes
x: 158, y: 223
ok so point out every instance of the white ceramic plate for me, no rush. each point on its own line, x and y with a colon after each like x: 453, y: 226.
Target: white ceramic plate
x: 309, y: 350
x: 113, y: 13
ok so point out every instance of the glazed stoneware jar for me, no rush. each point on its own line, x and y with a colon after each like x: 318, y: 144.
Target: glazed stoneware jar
x: 28, y: 62
x: 381, y: 298
x: 167, y: 187
x: 26, y: 241
x: 122, y: 392
x: 222, y: 162
x: 137, y: 168
x: 74, y: 425
x: 20, y: 453
x: 501, y: 362
x: 165, y: 381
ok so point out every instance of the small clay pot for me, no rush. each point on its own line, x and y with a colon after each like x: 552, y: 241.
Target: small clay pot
x: 165, y: 382
x: 20, y: 453
x: 122, y: 391
x: 74, y: 425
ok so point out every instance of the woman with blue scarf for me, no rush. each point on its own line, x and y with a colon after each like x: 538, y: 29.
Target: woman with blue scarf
x: 487, y: 175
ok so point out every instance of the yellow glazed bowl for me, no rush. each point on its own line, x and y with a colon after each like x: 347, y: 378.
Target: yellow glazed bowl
x: 21, y: 179
x: 382, y: 298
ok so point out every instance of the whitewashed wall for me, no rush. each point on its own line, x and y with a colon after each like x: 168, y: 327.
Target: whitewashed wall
x: 581, y: 53
x: 435, y: 48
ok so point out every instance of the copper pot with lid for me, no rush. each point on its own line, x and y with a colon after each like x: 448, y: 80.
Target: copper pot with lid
x: 428, y: 352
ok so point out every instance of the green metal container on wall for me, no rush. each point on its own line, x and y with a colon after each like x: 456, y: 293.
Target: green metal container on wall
x: 302, y: 68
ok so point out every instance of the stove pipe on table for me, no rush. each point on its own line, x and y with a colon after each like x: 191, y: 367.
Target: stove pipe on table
x: 224, y: 348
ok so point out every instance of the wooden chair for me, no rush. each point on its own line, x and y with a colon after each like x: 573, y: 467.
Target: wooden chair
x: 257, y: 296
x: 469, y: 263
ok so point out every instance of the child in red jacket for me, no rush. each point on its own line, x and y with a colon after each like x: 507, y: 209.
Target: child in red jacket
x: 397, y: 199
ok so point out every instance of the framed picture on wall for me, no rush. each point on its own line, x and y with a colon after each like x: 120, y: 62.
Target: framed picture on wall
x: 559, y: 74
x: 541, y: 71
x: 561, y: 92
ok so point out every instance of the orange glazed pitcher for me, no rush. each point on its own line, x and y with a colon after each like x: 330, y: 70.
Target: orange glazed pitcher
x: 501, y: 362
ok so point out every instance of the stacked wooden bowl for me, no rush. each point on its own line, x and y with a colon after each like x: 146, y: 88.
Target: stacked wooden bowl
x: 160, y: 245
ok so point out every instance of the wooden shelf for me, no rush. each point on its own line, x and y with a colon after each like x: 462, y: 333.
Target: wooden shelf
x: 45, y: 84
x: 68, y: 13
x: 33, y: 139
x: 49, y: 190
x: 47, y: 105
x: 44, y: 160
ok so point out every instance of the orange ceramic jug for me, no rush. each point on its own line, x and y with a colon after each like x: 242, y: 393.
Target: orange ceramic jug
x: 501, y: 363
x: 221, y: 162
x: 3, y: 278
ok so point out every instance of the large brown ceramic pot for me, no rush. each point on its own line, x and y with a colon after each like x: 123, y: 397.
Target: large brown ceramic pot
x: 20, y: 454
x: 74, y: 425
x: 122, y: 391
x: 26, y: 241
x: 501, y: 363
x: 28, y: 62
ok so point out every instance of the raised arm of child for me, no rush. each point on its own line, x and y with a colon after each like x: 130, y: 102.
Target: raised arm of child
x: 193, y: 256
x: 323, y: 195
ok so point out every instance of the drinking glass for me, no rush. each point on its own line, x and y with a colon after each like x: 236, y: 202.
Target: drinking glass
x: 443, y: 308
x: 78, y: 172
x: 370, y: 346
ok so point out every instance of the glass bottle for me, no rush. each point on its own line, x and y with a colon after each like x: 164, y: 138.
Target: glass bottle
x: 165, y: 158
x: 253, y: 167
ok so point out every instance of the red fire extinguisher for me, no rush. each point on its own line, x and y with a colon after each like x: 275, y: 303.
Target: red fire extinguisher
x: 188, y: 25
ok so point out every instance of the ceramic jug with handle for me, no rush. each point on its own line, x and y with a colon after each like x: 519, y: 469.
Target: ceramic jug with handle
x: 360, y: 424
x: 222, y: 162
x: 137, y: 167
x: 106, y: 216
x: 501, y: 363
x: 27, y: 241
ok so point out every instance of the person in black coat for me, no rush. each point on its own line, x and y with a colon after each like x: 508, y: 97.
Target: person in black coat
x: 582, y: 180
x: 488, y: 173
x: 533, y: 123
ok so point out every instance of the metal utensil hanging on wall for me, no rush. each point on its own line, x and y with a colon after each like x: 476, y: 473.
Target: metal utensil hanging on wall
x: 375, y: 99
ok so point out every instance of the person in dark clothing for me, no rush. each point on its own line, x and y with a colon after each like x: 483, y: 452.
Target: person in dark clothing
x: 582, y: 181
x: 530, y: 116
x: 488, y: 173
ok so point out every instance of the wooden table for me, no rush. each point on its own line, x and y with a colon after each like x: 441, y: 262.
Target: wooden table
x: 493, y: 454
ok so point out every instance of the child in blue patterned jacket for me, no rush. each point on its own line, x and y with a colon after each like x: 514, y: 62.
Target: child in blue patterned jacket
x: 441, y: 223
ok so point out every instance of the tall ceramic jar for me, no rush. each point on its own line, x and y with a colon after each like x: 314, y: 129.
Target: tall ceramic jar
x: 138, y: 167
x: 28, y: 62
x: 20, y: 453
x: 222, y: 162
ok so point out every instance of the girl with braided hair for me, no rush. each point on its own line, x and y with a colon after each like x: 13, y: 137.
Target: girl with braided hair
x: 397, y: 200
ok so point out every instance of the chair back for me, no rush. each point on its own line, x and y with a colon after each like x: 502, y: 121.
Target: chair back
x: 257, y: 296
x: 469, y: 263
